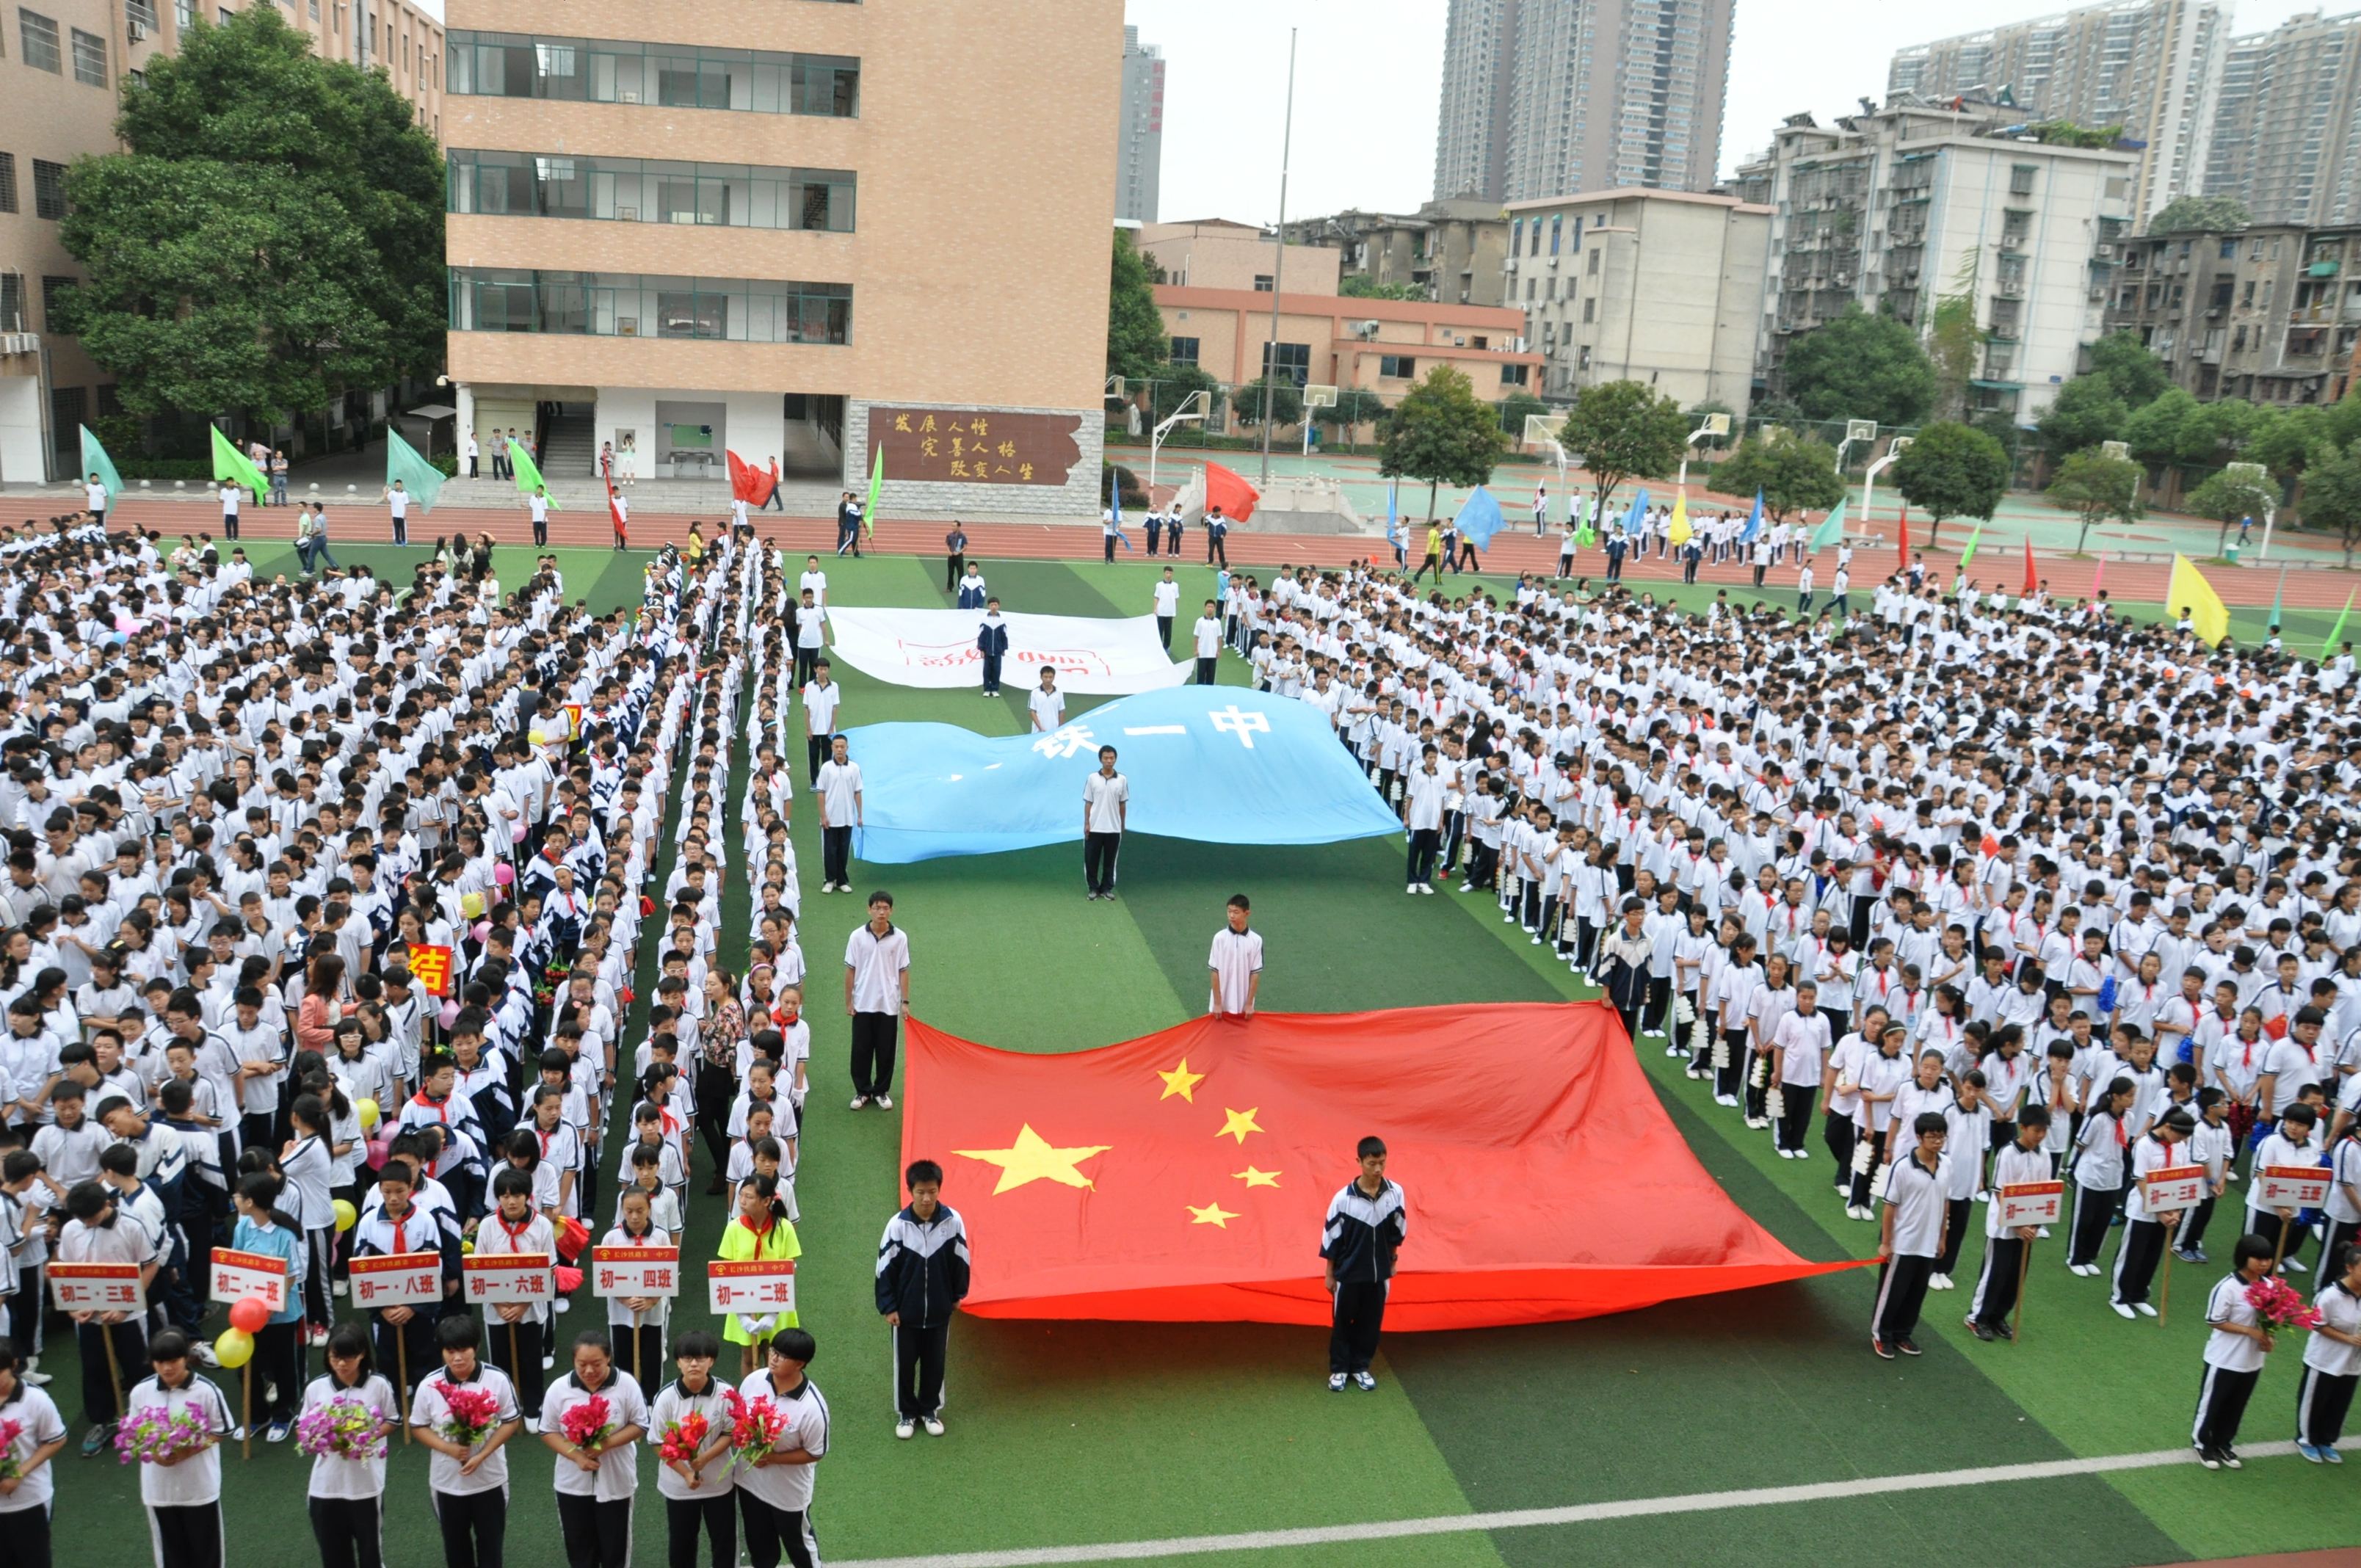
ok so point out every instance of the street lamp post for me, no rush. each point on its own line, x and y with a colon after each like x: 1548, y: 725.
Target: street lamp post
x: 1278, y: 261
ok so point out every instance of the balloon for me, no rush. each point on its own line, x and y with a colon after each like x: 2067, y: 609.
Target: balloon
x: 248, y: 1314
x: 450, y: 1014
x: 471, y: 904
x: 504, y: 873
x: 483, y: 930
x: 347, y: 1215
x: 380, y: 1148
x: 467, y: 1246
x: 234, y: 1348
x: 365, y: 1109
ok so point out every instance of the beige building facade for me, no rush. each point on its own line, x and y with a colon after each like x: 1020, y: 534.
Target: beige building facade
x: 1378, y: 345
x: 62, y: 63
x: 899, y: 225
x: 1218, y: 253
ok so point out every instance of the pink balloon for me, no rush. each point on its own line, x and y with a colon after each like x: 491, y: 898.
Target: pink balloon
x: 483, y: 929
x: 450, y: 1012
x: 504, y: 873
x: 380, y: 1147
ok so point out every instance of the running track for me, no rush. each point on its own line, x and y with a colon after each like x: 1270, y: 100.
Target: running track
x: 1999, y: 561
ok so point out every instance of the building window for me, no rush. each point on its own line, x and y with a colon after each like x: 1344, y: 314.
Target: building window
x: 41, y: 36
x: 1262, y: 282
x: 1398, y: 367
x: 140, y: 13
x: 1556, y: 220
x: 1590, y: 309
x: 2020, y: 179
x: 1517, y: 235
x: 1594, y: 262
x: 53, y: 294
x: 68, y: 410
x: 89, y: 59
x: 632, y: 190
x: 1293, y: 361
x: 628, y: 304
x: 12, y: 301
x: 7, y: 181
x: 48, y: 190
x: 1183, y: 351
x: 606, y: 71
x: 1514, y: 374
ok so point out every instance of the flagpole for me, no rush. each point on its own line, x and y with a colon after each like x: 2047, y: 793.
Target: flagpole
x: 1278, y: 262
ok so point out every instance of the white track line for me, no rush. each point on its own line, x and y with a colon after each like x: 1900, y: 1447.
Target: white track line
x: 1579, y: 1513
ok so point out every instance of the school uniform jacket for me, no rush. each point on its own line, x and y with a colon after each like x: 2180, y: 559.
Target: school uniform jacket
x: 1362, y: 1234
x: 922, y: 1266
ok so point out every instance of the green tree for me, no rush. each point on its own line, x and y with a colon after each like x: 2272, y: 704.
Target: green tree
x: 1286, y: 400
x: 1954, y: 340
x: 1860, y: 365
x: 1952, y: 470
x: 270, y: 235
x: 2217, y: 433
x: 1442, y: 432
x: 2225, y: 499
x: 2098, y: 488
x: 1361, y: 286
x: 2138, y: 376
x: 1174, y: 384
x: 1135, y: 343
x: 2087, y: 411
x: 1789, y: 470
x: 1352, y: 407
x: 1783, y: 411
x: 2332, y: 495
x: 2200, y: 214
x: 2153, y: 432
x: 1623, y: 429
x: 1514, y: 410
x: 2004, y: 429
x: 2282, y: 438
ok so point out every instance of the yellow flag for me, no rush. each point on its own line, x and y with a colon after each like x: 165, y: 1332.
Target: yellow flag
x: 2189, y: 593
x: 1678, y: 531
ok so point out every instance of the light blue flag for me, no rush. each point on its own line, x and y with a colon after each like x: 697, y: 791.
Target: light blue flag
x: 1115, y: 492
x: 1753, y: 530
x: 1479, y: 518
x: 1392, y: 537
x: 1639, y: 510
x: 1219, y: 764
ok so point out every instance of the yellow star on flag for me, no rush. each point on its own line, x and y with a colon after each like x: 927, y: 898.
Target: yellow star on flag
x: 1254, y: 1178
x: 1238, y: 1123
x: 1211, y: 1214
x: 1031, y: 1159
x: 1180, y: 1081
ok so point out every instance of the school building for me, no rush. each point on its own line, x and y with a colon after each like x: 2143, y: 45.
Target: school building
x: 775, y: 227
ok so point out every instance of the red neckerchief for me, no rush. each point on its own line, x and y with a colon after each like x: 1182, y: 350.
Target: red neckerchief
x: 2122, y: 1138
x: 515, y: 1232
x: 763, y: 1230
x: 442, y: 1108
x: 400, y: 1234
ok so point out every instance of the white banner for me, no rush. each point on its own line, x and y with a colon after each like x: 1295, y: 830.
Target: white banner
x: 937, y: 648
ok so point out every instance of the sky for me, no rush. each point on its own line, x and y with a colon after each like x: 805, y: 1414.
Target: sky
x: 1368, y: 72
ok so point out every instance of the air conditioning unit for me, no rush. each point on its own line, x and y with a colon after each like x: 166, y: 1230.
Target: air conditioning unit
x: 137, y: 30
x: 1366, y: 329
x: 2106, y: 249
x: 20, y: 342
x: 1509, y: 264
x: 627, y: 95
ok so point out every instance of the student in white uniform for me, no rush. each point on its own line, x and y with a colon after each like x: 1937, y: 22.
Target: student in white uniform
x: 2235, y: 1352
x: 1047, y: 703
x: 2023, y: 1161
x: 775, y: 1491
x: 467, y: 1480
x: 1910, y: 1237
x: 699, y: 1489
x: 41, y: 1438
x: 597, y: 1478
x: 183, y: 1498
x: 347, y: 1492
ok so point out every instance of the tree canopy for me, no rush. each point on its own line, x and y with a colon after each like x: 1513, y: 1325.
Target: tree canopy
x: 270, y: 235
x: 2332, y: 495
x: 1790, y: 471
x: 1361, y: 286
x: 1860, y: 365
x: 1135, y: 342
x: 2099, y: 488
x: 1442, y: 432
x: 2200, y: 214
x: 1952, y: 470
x: 1623, y: 429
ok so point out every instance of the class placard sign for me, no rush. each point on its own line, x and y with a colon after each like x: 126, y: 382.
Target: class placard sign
x: 397, y: 1279
x: 2030, y: 1203
x: 634, y: 1271
x: 234, y: 1276
x: 97, y: 1288
x: 2174, y: 1188
x: 2292, y: 1186
x: 508, y: 1279
x: 756, y: 1288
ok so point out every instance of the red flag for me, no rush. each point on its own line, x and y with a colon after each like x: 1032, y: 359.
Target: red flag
x: 1184, y: 1177
x: 615, y: 515
x: 748, y: 482
x: 1904, y: 559
x: 1230, y: 493
x: 2032, y: 583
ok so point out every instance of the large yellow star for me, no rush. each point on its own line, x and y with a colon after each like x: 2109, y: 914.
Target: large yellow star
x: 1254, y: 1178
x: 1238, y: 1122
x: 1031, y: 1159
x: 1180, y: 1081
x: 1211, y: 1214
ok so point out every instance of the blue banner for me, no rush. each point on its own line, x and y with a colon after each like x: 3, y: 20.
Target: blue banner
x: 1753, y: 530
x: 1220, y: 765
x: 1479, y: 518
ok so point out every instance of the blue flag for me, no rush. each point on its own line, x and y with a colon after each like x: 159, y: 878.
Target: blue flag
x: 1479, y: 518
x: 1753, y: 530
x: 1392, y: 537
x: 1632, y: 518
x: 1114, y: 491
x: 1219, y: 764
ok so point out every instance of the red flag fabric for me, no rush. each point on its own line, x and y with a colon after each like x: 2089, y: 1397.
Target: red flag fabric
x: 2032, y: 583
x: 1185, y: 1175
x: 1902, y: 561
x: 615, y: 514
x: 1229, y: 491
x: 748, y: 482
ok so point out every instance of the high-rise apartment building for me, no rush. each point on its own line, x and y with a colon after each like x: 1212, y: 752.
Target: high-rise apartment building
x: 905, y: 249
x: 2286, y: 140
x: 2153, y: 67
x: 1139, y: 134
x: 1545, y: 98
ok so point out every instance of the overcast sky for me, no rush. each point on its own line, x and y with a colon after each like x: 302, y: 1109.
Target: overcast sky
x: 1368, y: 71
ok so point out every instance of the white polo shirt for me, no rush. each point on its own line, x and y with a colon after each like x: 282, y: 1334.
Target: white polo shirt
x: 428, y: 1409
x: 196, y: 1480
x: 1917, y: 1197
x: 839, y: 789
x: 820, y: 703
x: 787, y: 1486
x: 618, y: 1475
x: 1235, y: 960
x: 877, y: 963
x: 1168, y: 595
x: 1208, y: 633
x: 1049, y: 708
x: 1104, y: 799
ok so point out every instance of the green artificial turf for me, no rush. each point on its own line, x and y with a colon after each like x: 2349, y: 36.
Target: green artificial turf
x: 1086, y: 1432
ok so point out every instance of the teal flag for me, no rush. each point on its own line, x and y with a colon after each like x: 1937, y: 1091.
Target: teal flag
x: 421, y: 479
x: 2278, y: 595
x: 2328, y: 649
x: 1831, y: 529
x: 94, y: 460
x: 235, y: 466
x: 528, y: 475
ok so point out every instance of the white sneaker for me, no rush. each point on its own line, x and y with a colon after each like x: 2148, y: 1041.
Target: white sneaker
x: 2122, y: 1309
x: 2294, y: 1265
x: 342, y: 1287
x: 1409, y: 887
x: 1803, y: 1154
x: 2145, y: 1309
x: 201, y: 1352
x: 933, y: 1425
x: 885, y: 1103
x: 563, y: 1304
x: 2042, y: 1233
x: 1939, y: 1282
x: 1335, y: 1382
x: 858, y: 1100
x: 532, y: 1425
x: 37, y: 1379
x: 1427, y: 888
x: 906, y: 1428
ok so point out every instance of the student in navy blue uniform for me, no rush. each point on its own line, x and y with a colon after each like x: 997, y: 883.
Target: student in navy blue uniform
x: 922, y: 1275
x: 992, y: 642
x: 1363, y: 1234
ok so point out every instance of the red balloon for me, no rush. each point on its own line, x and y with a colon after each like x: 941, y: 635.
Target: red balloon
x: 250, y: 1314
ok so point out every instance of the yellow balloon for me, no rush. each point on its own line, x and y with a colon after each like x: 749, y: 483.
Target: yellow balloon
x: 347, y: 1215
x: 234, y: 1348
x: 471, y: 904
x: 467, y: 1246
x: 367, y: 1112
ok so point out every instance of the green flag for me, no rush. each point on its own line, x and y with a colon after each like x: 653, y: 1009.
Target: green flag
x: 94, y: 460
x: 1831, y: 529
x: 528, y: 476
x: 2277, y: 594
x: 2328, y: 649
x: 876, y: 483
x: 421, y: 479
x: 231, y: 464
x: 1970, y: 552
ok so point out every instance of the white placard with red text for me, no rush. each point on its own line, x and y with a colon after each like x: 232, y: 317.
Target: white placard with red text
x: 97, y: 1288
x: 397, y: 1279
x: 2292, y: 1186
x: 634, y: 1271
x: 2173, y: 1188
x: 506, y: 1278
x: 756, y: 1288
x: 2030, y: 1203
x: 234, y: 1276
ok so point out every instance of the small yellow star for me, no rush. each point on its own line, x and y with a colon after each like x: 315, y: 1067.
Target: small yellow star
x: 1031, y: 1159
x: 1254, y: 1178
x: 1211, y: 1214
x: 1180, y: 1081
x: 1239, y: 1122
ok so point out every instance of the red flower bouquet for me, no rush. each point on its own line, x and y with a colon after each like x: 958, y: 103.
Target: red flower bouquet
x: 684, y: 1439
x: 755, y: 1426
x: 585, y: 1424
x: 474, y: 1412
x: 9, y: 1432
x: 2278, y: 1305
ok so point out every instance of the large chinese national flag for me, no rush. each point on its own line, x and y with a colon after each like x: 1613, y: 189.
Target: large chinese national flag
x: 748, y: 482
x: 1184, y: 1177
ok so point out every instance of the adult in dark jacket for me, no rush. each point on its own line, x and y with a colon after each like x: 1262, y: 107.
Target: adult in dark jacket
x: 922, y: 1274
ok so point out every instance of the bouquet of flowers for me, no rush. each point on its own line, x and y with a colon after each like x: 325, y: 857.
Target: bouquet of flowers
x: 9, y: 1432
x: 341, y: 1428
x: 155, y: 1433
x: 755, y: 1426
x: 474, y: 1412
x: 585, y: 1424
x: 684, y: 1439
x: 2278, y: 1305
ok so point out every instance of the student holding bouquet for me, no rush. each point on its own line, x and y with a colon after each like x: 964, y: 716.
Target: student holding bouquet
x: 348, y: 1413
x: 2233, y: 1355
x: 689, y: 1427
x: 32, y: 1433
x: 2332, y: 1360
x: 789, y: 1423
x: 173, y: 1426
x: 467, y: 1416
x: 592, y: 1419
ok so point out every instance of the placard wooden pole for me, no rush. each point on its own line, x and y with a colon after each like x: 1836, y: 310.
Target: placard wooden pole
x: 246, y: 1411
x: 402, y: 1365
x: 2024, y: 1266
x: 2163, y: 1293
x: 113, y: 1368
